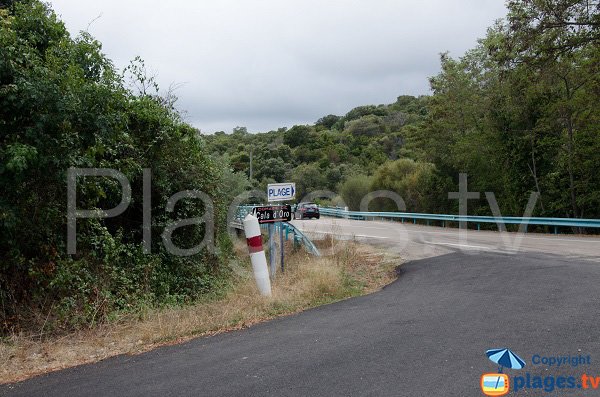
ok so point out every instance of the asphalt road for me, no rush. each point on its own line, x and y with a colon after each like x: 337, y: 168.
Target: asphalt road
x: 424, y: 335
x: 418, y: 242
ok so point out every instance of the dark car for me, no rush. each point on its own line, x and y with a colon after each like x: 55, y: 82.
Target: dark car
x: 306, y: 210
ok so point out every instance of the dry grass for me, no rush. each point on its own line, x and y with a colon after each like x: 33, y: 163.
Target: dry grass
x: 307, y: 282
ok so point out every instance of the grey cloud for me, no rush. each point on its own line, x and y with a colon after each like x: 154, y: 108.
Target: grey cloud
x: 266, y: 64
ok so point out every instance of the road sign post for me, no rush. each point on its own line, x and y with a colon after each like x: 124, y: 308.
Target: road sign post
x: 277, y: 192
x: 272, y: 251
x: 281, y: 246
x: 271, y: 215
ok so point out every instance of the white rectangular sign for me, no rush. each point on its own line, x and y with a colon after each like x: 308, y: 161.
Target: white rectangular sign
x: 281, y: 191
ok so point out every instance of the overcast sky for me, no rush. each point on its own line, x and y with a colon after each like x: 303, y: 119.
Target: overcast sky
x: 274, y: 63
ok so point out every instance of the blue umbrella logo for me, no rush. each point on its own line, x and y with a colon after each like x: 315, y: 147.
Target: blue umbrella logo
x: 505, y: 358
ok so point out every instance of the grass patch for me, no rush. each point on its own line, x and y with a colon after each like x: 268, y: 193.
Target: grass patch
x: 307, y: 282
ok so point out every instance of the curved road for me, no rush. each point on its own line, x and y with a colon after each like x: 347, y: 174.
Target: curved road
x: 423, y: 335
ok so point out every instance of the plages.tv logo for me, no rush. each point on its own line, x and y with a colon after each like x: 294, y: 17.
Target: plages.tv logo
x: 498, y: 384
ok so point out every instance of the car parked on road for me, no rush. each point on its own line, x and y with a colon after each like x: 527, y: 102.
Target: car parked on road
x: 306, y: 211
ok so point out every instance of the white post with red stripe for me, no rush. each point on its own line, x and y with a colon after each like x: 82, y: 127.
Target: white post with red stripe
x: 257, y: 254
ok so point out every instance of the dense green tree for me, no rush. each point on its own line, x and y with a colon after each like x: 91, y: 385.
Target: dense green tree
x: 273, y: 168
x: 369, y: 125
x: 354, y: 189
x: 327, y: 122
x: 412, y: 181
x: 297, y: 135
x: 308, y: 178
x: 542, y: 32
x: 367, y: 110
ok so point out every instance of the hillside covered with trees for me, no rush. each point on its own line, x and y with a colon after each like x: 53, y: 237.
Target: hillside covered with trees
x: 519, y: 113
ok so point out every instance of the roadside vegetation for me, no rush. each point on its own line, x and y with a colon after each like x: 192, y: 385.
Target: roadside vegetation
x: 63, y: 104
x: 307, y: 282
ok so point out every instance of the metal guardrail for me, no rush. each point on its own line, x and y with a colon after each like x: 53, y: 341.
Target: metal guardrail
x: 242, y: 211
x: 300, y: 237
x: 288, y: 228
x: 555, y: 222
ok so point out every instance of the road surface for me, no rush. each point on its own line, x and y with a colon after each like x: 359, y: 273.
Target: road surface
x: 423, y: 335
x: 417, y: 241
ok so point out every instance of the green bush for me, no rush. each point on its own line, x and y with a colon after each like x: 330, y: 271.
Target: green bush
x: 354, y: 189
x: 413, y: 181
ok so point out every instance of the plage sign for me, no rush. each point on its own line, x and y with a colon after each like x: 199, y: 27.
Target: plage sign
x: 281, y: 191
